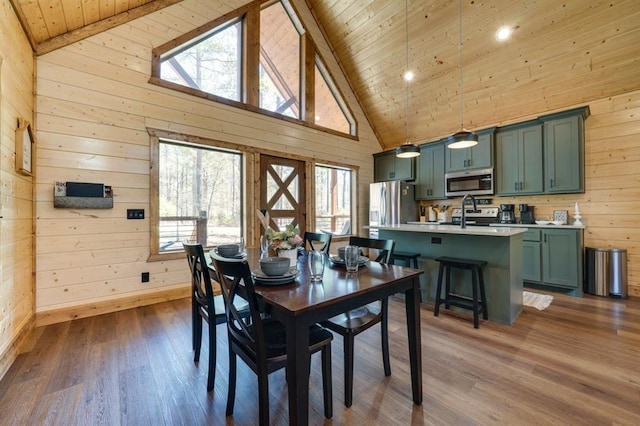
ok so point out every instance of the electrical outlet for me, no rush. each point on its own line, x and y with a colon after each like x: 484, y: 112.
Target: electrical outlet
x: 145, y: 277
x: 135, y: 213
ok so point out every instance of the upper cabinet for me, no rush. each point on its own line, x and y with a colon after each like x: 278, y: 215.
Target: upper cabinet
x: 519, y: 159
x: 386, y: 166
x: 564, y: 151
x: 479, y: 156
x: 430, y: 172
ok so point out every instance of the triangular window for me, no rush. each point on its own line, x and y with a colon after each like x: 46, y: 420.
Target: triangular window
x: 256, y: 67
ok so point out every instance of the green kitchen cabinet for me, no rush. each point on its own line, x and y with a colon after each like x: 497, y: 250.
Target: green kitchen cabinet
x: 430, y: 172
x: 479, y: 156
x: 386, y: 167
x: 519, y: 161
x: 532, y: 256
x: 564, y: 151
x: 553, y: 258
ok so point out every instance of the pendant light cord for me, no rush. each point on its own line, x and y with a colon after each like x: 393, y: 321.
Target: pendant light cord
x: 406, y: 80
x: 461, y: 91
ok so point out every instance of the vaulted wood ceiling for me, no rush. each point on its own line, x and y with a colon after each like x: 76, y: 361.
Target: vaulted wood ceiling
x: 562, y: 53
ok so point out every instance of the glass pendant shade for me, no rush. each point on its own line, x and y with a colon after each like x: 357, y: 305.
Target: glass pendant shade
x: 407, y: 150
x: 462, y: 139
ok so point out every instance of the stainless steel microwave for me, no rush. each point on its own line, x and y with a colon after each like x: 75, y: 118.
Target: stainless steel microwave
x: 474, y: 182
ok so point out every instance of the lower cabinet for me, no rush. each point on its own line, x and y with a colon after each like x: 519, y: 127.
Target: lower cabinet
x: 553, y: 258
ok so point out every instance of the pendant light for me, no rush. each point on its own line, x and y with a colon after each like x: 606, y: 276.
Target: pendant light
x: 407, y: 150
x: 463, y: 138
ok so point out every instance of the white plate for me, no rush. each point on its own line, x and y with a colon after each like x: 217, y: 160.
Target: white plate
x: 558, y: 222
x: 542, y: 222
x: 337, y: 261
x: 261, y: 278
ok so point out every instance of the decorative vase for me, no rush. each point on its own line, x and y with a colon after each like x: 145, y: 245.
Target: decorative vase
x: 292, y: 254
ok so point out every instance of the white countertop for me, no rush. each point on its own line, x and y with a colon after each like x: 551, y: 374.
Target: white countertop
x: 534, y: 225
x: 435, y: 228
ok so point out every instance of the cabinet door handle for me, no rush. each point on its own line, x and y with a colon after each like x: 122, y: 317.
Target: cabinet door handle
x: 392, y: 175
x: 545, y: 238
x: 521, y: 186
x: 551, y: 182
x: 515, y: 186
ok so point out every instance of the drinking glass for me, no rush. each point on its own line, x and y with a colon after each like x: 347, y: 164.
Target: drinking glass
x: 351, y: 258
x: 264, y: 246
x: 316, y: 261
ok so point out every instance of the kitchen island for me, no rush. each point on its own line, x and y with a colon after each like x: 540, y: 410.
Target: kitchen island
x: 500, y: 247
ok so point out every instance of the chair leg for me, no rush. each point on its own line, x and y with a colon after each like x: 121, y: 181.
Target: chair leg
x: 197, y: 327
x: 211, y: 376
x: 327, y: 381
x: 436, y: 310
x: 348, y: 369
x: 384, y: 328
x: 263, y: 395
x: 231, y: 393
x: 194, y: 318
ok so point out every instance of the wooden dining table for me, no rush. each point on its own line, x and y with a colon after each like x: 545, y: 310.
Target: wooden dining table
x: 301, y: 303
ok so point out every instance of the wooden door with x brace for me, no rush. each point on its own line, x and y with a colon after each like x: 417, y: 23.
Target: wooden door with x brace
x: 282, y: 192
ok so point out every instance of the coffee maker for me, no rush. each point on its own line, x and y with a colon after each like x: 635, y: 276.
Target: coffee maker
x: 526, y: 214
x: 507, y: 214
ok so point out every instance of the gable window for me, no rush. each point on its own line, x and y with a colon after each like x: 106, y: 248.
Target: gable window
x: 210, y: 63
x: 200, y: 197
x: 333, y: 199
x: 279, y: 61
x: 331, y: 111
x: 257, y: 58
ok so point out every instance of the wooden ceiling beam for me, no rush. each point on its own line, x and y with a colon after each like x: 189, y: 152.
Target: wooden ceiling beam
x: 99, y: 26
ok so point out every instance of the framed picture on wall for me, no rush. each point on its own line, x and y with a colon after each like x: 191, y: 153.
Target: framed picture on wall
x: 24, y: 148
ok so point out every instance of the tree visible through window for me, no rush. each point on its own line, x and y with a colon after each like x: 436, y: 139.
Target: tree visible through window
x: 200, y: 195
x: 210, y: 63
x: 333, y: 199
x: 217, y: 61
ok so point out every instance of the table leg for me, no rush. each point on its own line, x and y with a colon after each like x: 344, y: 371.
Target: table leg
x: 298, y: 371
x: 412, y: 305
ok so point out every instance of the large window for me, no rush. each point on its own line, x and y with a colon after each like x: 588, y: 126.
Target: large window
x: 199, y: 195
x: 256, y: 67
x: 333, y: 199
x: 210, y: 63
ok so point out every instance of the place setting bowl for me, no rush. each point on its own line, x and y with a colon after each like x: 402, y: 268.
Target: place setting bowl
x: 275, y: 271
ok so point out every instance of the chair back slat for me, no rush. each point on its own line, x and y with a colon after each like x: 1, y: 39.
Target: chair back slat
x: 324, y: 239
x: 385, y: 247
x: 200, y: 278
x: 236, y: 281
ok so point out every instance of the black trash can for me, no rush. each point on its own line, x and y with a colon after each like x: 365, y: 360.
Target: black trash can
x: 606, y: 272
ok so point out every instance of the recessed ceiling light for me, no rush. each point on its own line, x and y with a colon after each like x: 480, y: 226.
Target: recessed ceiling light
x: 504, y: 33
x: 409, y: 75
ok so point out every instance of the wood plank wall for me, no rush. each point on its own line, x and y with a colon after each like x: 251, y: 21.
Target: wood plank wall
x: 94, y: 106
x: 17, y: 299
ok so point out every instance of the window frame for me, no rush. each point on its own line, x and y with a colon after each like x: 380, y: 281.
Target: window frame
x: 353, y: 197
x: 249, y: 14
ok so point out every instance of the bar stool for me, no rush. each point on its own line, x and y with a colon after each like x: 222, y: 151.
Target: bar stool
x: 406, y: 258
x: 477, y: 303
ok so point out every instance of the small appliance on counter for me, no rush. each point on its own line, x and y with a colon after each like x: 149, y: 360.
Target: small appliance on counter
x: 507, y: 213
x: 526, y: 214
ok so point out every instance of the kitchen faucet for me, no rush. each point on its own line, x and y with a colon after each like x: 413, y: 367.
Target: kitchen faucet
x: 463, y: 222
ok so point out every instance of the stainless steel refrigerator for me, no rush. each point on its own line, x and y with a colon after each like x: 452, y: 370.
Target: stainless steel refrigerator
x: 391, y: 203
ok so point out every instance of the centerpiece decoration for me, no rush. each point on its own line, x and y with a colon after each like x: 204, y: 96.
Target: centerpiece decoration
x: 283, y: 243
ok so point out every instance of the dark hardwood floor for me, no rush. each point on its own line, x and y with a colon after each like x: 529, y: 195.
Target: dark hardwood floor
x: 577, y: 362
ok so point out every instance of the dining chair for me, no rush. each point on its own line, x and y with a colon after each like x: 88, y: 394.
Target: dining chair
x: 324, y: 241
x: 205, y: 305
x: 354, y: 322
x: 261, y: 342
